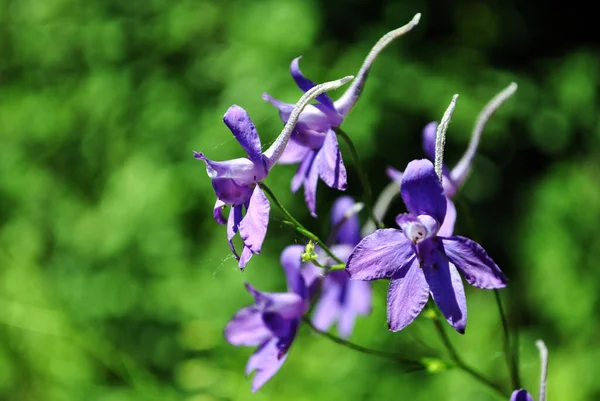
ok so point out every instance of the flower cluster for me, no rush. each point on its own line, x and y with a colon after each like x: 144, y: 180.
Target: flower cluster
x: 328, y: 282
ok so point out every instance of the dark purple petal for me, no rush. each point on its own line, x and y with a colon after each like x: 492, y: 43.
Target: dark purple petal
x: 291, y: 260
x: 331, y: 166
x: 302, y: 171
x: 473, y: 261
x: 521, y: 395
x: 293, y: 153
x: 231, y: 193
x: 288, y: 305
x: 284, y: 329
x: 247, y: 328
x: 429, y: 140
x: 380, y: 255
x: 394, y: 175
x: 310, y: 187
x: 266, y: 361
x: 422, y: 191
x: 305, y: 84
x: 233, y: 223
x: 407, y: 296
x: 218, y: 212
x: 239, y: 123
x: 448, y: 291
x: 253, y: 228
x: 447, y: 228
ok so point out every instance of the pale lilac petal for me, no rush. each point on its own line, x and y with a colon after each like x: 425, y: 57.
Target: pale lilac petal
x: 302, y: 172
x: 310, y: 186
x: 241, y: 126
x: 285, y: 109
x: 360, y: 296
x: 288, y: 305
x: 342, y: 251
x: 521, y: 395
x: 313, y: 117
x: 429, y: 140
x: 380, y: 255
x: 266, y: 361
x: 346, y: 227
x: 447, y: 228
x: 395, y: 175
x: 331, y: 166
x: 346, y: 322
x: 233, y: 223
x: 293, y: 153
x: 253, y: 228
x: 291, y: 260
x: 407, y: 296
x: 422, y: 191
x: 327, y: 308
x: 247, y: 328
x: 448, y: 292
x: 218, y: 212
x: 245, y: 257
x: 473, y: 261
x: 305, y: 84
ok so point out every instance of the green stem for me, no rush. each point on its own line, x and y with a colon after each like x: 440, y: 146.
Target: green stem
x: 414, y: 365
x: 511, y: 359
x: 297, y: 225
x: 458, y: 360
x: 362, y: 176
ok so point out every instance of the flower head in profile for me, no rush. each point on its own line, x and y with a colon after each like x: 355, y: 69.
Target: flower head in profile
x: 418, y: 261
x: 314, y: 143
x: 271, y: 324
x: 523, y: 395
x: 341, y: 300
x: 454, y: 179
x: 236, y: 181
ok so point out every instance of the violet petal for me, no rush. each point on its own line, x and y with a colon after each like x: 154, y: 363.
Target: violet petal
x: 331, y: 166
x: 243, y: 129
x: 253, y: 228
x: 521, y: 395
x: 247, y: 328
x: 218, y: 212
x: 407, y: 295
x: 266, y: 361
x: 422, y: 191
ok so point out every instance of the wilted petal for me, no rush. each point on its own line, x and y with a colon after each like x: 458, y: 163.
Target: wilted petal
x: 293, y: 153
x: 447, y: 228
x: 218, y: 212
x: 346, y: 227
x: 291, y: 260
x: 253, y: 228
x: 331, y: 166
x: 407, y: 296
x: 310, y: 186
x: 521, y: 395
x: 247, y: 328
x: 233, y: 223
x: 266, y: 361
x: 305, y: 84
x: 288, y: 305
x: 479, y: 269
x: 422, y: 191
x: 395, y: 175
x: 241, y: 126
x: 448, y: 292
x: 380, y: 255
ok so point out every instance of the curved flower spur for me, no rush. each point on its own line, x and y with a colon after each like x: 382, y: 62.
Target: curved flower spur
x: 524, y: 395
x: 314, y: 143
x: 454, y: 179
x: 235, y: 181
x: 416, y: 259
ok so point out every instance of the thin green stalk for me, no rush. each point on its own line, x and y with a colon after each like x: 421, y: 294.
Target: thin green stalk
x: 362, y: 176
x: 414, y: 365
x: 511, y: 359
x: 298, y: 226
x: 458, y: 360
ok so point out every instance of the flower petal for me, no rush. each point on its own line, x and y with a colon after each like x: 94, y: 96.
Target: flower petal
x: 521, y: 395
x: 291, y: 260
x: 310, y: 186
x: 293, y: 153
x: 233, y: 223
x: 448, y: 292
x: 331, y: 166
x: 245, y: 257
x: 302, y: 171
x: 422, y: 190
x: 380, y: 255
x: 287, y: 304
x: 241, y: 126
x: 266, y: 361
x: 253, y: 228
x: 395, y: 175
x: 218, y: 212
x: 470, y: 257
x: 305, y: 84
x: 447, y: 228
x: 407, y: 296
x: 358, y: 301
x: 328, y: 307
x: 247, y: 328
x: 429, y: 140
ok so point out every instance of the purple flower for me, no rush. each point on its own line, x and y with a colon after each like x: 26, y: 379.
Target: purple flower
x: 235, y: 181
x: 271, y: 324
x: 314, y: 143
x: 420, y: 262
x: 521, y: 395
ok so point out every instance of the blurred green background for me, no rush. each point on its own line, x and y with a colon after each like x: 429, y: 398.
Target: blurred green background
x: 115, y: 282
